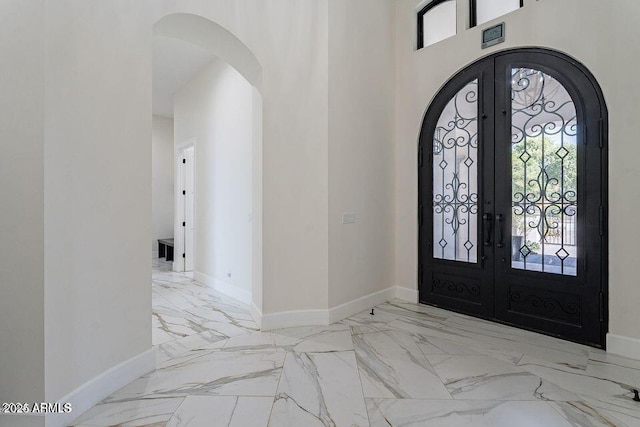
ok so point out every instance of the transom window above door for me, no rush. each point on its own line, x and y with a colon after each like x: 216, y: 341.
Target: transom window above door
x: 485, y: 10
x: 436, y: 21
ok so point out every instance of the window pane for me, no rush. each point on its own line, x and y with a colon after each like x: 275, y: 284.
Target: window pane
x: 455, y: 178
x: 487, y: 10
x: 544, y: 165
x: 439, y: 23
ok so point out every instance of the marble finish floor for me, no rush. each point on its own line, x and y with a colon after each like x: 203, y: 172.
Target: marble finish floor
x: 407, y: 365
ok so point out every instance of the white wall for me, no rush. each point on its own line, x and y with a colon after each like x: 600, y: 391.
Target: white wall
x: 361, y: 149
x: 98, y: 187
x: 162, y: 153
x: 216, y: 107
x: 21, y: 210
x: 597, y: 34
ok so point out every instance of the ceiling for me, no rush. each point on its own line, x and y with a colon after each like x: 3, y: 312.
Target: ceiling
x: 175, y: 62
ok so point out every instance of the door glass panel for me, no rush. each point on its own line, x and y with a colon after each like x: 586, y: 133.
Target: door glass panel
x: 455, y: 178
x: 544, y: 171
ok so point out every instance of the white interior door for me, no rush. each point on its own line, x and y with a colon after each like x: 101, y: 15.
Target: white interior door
x: 189, y: 208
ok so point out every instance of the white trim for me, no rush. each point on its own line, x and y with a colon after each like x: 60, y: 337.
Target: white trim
x: 256, y: 314
x: 358, y: 305
x: 242, y: 295
x: 95, y: 390
x: 289, y: 319
x: 623, y: 346
x: 406, y: 294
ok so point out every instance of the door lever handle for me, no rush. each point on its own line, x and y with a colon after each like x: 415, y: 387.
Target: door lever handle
x: 500, y: 219
x: 487, y: 228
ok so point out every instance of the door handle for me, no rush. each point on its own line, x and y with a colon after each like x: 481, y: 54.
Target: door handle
x: 500, y: 219
x: 487, y: 228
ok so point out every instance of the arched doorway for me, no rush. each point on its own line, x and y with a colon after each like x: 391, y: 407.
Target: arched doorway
x: 512, y: 195
x: 221, y: 122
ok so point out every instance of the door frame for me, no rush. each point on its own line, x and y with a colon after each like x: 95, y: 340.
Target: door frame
x: 179, y: 263
x: 425, y: 196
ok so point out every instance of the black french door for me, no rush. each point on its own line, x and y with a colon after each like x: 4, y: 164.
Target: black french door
x: 512, y: 195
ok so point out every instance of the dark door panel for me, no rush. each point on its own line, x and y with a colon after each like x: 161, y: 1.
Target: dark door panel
x: 513, y: 198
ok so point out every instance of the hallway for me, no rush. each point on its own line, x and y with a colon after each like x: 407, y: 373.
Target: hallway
x: 406, y: 365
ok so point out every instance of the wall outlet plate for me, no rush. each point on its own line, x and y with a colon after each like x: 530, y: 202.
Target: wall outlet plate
x: 348, y: 218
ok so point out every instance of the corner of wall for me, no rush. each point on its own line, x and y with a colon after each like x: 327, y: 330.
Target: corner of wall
x: 623, y: 346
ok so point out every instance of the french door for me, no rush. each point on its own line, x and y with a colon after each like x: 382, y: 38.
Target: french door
x: 512, y: 195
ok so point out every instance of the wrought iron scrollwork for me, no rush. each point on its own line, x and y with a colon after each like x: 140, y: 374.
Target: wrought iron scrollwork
x: 544, y: 167
x: 449, y: 287
x: 455, y: 193
x: 559, y: 307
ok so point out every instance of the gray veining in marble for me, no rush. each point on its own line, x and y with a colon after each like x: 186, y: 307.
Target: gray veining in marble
x: 222, y: 411
x: 319, y: 389
x: 485, y: 378
x: 459, y: 413
x: 392, y: 366
x: 406, y: 365
x: 130, y: 413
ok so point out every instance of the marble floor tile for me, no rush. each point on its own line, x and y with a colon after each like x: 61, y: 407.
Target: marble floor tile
x: 314, y: 339
x: 174, y: 348
x: 392, y: 366
x: 460, y: 413
x: 581, y: 414
x: 434, y: 346
x: 415, y: 364
x: 222, y: 411
x: 130, y: 413
x: 415, y: 311
x: 485, y: 378
x: 507, y: 338
x: 319, y: 389
x: 170, y: 323
x: 616, y: 368
x: 467, y: 343
x: 365, y: 322
x: 212, y: 318
x: 601, y: 393
x: 252, y: 341
x: 237, y: 373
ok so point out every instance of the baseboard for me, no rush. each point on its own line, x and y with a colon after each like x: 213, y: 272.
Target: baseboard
x: 95, y: 390
x: 406, y: 294
x: 231, y: 291
x: 290, y: 319
x: 256, y: 314
x: 623, y: 346
x: 356, y: 306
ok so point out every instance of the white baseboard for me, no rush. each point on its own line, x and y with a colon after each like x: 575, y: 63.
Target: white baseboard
x: 289, y: 319
x: 623, y: 346
x: 256, y: 314
x: 231, y: 291
x: 98, y: 388
x: 406, y: 294
x: 356, y: 306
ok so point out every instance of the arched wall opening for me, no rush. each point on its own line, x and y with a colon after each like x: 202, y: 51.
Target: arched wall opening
x: 218, y: 112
